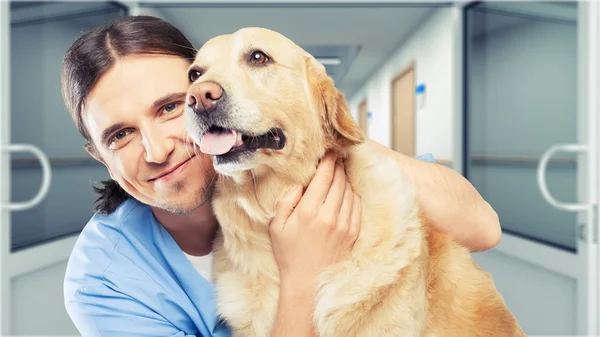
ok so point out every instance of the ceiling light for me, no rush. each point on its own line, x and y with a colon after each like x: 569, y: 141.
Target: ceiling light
x: 329, y: 61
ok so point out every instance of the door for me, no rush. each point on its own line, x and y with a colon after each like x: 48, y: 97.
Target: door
x: 531, y: 149
x: 46, y: 177
x: 362, y: 116
x: 403, y: 111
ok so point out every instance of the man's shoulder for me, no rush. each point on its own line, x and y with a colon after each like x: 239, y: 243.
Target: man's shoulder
x: 102, y: 237
x: 125, y: 269
x: 111, y: 226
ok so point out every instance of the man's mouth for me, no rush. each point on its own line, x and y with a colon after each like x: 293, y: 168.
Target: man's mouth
x: 219, y: 141
x: 171, y: 170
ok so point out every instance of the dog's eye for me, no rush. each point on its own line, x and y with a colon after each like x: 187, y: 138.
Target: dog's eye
x: 258, y: 57
x: 194, y: 74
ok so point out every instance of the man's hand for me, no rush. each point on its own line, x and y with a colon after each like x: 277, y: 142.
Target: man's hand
x: 310, y: 233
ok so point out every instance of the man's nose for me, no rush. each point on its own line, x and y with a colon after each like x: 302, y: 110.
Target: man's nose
x: 203, y: 96
x: 157, y: 148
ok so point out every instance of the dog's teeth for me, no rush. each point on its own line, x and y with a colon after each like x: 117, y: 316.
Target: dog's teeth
x: 239, y: 136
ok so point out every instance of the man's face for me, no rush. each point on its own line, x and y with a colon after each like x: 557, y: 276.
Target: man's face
x: 134, y: 116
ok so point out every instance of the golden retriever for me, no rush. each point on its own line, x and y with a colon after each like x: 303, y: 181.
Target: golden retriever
x: 267, y: 112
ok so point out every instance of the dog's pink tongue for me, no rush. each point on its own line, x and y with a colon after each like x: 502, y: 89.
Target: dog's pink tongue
x: 217, y: 143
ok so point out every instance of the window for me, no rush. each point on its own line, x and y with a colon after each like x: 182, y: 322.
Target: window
x: 40, y: 35
x: 520, y: 99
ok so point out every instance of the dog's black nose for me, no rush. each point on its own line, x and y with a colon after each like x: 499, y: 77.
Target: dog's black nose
x: 203, y: 96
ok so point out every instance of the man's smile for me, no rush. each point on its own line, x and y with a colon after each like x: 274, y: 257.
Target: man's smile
x: 172, y: 172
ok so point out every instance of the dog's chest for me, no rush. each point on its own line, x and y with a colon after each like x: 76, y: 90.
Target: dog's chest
x: 243, y: 210
x: 247, y: 302
x: 247, y: 274
x: 256, y: 215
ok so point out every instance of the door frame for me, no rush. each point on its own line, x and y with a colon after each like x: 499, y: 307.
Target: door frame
x: 4, y: 166
x: 363, y: 112
x: 583, y: 266
x: 411, y: 66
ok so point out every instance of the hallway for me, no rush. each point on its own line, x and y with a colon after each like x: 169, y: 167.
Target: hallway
x: 489, y: 89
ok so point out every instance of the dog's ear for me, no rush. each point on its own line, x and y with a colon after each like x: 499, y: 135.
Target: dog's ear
x: 340, y: 128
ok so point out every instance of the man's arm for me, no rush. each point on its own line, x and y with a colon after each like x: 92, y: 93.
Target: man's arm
x: 294, y: 315
x: 99, y: 311
x: 450, y: 202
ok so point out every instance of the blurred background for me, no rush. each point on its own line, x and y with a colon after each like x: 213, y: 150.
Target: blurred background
x: 506, y: 93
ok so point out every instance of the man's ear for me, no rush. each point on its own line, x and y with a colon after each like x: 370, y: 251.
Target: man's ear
x: 91, y: 150
x: 340, y: 128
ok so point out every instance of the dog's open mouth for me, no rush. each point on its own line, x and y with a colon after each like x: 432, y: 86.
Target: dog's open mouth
x: 219, y: 141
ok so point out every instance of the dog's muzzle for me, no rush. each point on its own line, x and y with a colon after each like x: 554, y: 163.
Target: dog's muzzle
x: 215, y: 130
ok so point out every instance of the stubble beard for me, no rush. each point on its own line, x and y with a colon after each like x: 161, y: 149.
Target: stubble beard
x: 202, y: 196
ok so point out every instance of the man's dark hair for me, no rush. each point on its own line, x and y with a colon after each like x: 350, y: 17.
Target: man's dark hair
x: 94, y: 53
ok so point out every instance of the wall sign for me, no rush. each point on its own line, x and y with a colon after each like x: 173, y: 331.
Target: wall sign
x: 420, y: 92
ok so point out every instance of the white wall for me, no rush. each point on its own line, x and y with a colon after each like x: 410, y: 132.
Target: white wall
x: 431, y: 48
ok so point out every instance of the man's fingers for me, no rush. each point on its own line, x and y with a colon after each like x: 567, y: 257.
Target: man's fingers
x: 336, y: 190
x: 317, y: 190
x: 355, y: 218
x: 335, y: 197
x: 345, y: 211
x: 285, y: 207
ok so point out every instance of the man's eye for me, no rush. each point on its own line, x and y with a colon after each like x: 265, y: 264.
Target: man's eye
x: 120, y: 135
x: 170, y: 107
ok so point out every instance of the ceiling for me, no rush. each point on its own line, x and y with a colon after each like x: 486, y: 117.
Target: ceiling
x: 491, y: 17
x: 362, y: 37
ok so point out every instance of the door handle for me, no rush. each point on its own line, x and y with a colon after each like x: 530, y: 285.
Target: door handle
x: 541, y: 177
x: 46, y: 176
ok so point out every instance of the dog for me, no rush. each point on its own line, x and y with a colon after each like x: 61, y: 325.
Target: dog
x: 267, y: 112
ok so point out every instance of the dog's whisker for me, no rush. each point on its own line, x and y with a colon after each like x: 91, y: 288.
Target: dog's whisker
x: 187, y: 143
x: 190, y: 145
x: 183, y: 46
x: 275, y: 137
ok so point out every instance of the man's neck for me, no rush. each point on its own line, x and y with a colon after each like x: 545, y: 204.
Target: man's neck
x: 194, y: 231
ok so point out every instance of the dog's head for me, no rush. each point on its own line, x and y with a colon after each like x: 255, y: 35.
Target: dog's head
x: 257, y: 99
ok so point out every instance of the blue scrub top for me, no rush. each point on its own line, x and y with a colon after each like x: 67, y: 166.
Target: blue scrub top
x: 127, y: 277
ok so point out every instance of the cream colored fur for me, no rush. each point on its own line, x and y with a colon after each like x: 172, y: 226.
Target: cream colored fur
x: 403, y: 279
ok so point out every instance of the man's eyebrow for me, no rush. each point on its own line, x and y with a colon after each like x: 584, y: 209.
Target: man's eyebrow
x: 178, y: 96
x: 109, y: 131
